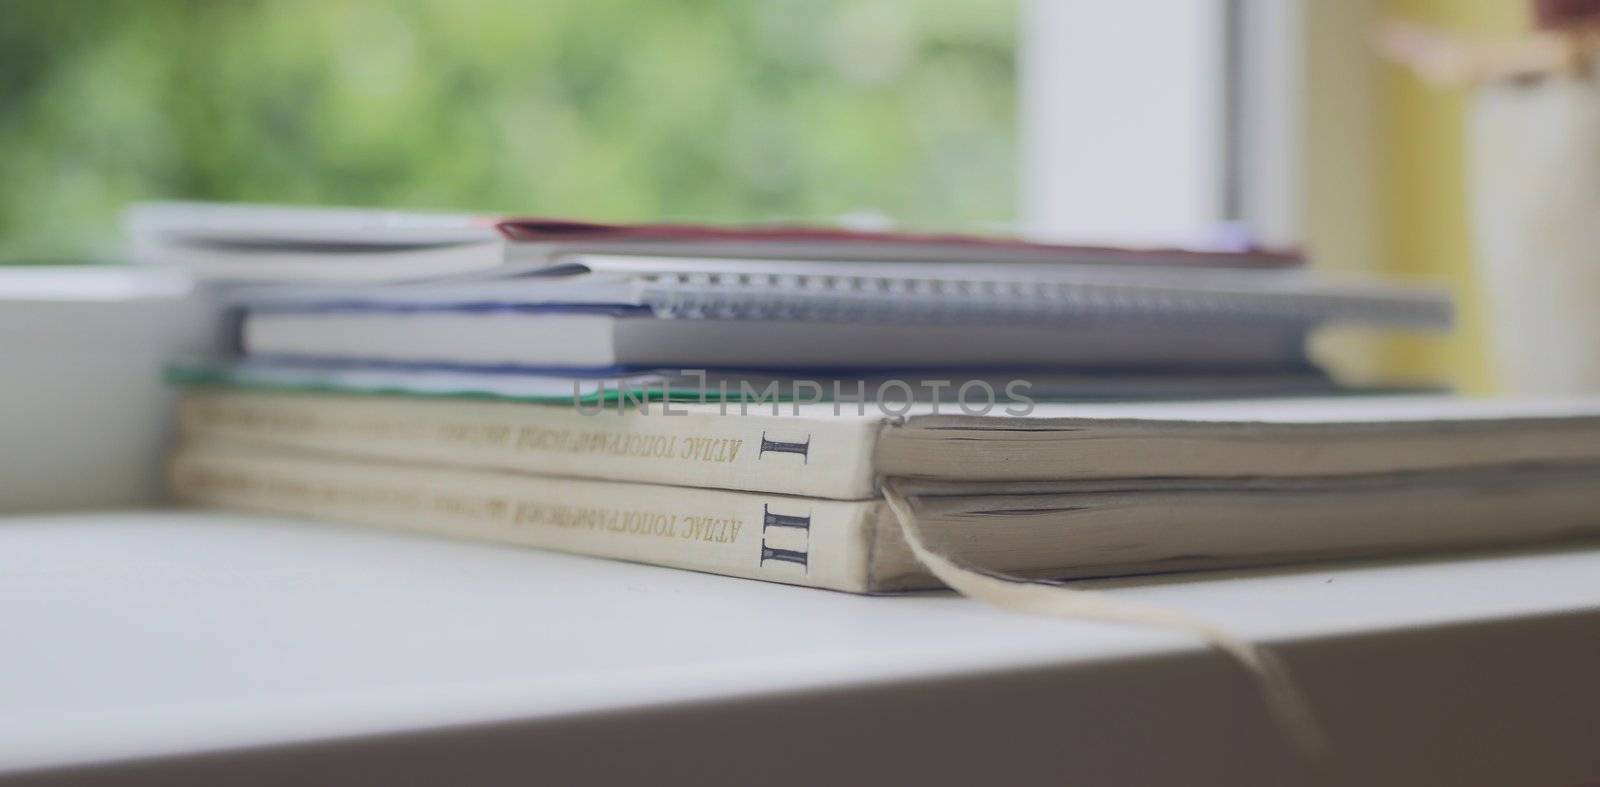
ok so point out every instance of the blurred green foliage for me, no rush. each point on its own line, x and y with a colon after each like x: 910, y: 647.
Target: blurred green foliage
x: 723, y: 110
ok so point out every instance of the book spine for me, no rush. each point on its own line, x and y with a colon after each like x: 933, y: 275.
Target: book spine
x: 779, y: 538
x: 685, y: 445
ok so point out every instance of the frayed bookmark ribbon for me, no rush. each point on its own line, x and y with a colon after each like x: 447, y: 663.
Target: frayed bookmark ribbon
x: 1283, y: 697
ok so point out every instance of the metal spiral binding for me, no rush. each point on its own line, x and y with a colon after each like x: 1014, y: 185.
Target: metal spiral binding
x: 766, y: 296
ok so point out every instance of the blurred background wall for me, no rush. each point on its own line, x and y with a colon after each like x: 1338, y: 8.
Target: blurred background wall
x: 1425, y: 231
x: 1386, y: 179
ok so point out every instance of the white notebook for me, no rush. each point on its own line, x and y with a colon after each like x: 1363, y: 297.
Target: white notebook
x: 279, y: 243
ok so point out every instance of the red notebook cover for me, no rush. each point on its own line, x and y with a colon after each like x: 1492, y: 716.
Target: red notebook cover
x: 541, y: 230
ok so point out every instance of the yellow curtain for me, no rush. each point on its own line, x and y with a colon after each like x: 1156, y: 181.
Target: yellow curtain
x: 1424, y: 231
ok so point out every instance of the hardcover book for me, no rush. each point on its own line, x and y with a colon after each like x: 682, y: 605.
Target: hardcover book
x: 841, y: 449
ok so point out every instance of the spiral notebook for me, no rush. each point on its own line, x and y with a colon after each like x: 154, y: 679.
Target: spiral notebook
x: 643, y: 312
x: 462, y: 291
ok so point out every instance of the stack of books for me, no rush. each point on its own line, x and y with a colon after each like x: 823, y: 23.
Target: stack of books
x: 820, y: 407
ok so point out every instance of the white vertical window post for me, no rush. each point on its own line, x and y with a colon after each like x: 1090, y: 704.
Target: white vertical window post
x: 1160, y: 120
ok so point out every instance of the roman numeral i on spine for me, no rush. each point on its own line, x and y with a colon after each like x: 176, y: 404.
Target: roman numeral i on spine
x: 769, y: 446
